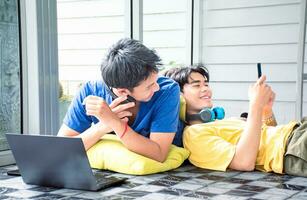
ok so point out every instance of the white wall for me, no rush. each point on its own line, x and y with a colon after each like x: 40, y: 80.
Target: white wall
x: 165, y: 28
x: 85, y: 30
x: 235, y: 36
x: 238, y: 34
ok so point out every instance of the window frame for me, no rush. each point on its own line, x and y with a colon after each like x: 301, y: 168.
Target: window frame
x: 39, y: 61
x: 40, y: 67
x: 6, y: 156
x: 300, y: 62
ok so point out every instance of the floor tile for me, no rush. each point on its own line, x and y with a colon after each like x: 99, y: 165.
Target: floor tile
x: 157, y: 196
x: 264, y: 184
x: 133, y: 193
x: 251, y: 176
x: 291, y: 187
x: 4, y: 190
x: 16, y: 183
x: 47, y: 196
x: 228, y: 197
x: 187, y: 186
x: 280, y: 191
x: 252, y: 188
x: 266, y: 196
x: 200, y: 195
x: 150, y: 188
x: 213, y: 190
x: 24, y: 194
x: 301, y: 195
x: 184, y: 183
x: 297, y: 181
x: 225, y: 174
x: 174, y: 191
x: 225, y: 185
x: 241, y: 193
x: 66, y: 192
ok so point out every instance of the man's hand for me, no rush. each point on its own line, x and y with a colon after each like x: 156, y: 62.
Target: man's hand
x: 268, y: 108
x: 246, y: 152
x: 261, y: 95
x: 97, y: 107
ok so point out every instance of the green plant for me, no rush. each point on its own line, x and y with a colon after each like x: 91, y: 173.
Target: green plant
x: 168, y: 66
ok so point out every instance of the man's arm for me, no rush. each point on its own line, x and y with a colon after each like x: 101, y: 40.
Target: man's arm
x: 268, y: 117
x: 93, y: 134
x: 248, y: 145
x: 156, y: 147
x: 89, y: 137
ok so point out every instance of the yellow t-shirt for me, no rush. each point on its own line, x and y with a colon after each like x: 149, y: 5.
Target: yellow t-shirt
x: 213, y: 145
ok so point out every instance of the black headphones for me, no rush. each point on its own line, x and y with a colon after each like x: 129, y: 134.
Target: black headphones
x: 207, y: 115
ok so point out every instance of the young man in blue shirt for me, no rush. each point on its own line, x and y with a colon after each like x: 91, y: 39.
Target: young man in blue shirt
x: 146, y: 125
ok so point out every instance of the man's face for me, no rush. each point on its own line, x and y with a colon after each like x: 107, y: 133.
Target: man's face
x: 197, y: 93
x: 146, y: 89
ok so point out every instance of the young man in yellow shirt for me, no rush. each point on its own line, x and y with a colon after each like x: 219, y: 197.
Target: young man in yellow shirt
x: 245, y: 145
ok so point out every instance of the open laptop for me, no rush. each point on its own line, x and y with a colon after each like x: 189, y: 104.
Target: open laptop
x: 57, y: 162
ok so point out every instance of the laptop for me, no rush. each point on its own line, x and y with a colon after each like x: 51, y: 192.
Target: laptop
x: 56, y: 162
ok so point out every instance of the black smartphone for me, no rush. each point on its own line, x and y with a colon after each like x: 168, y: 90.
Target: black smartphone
x: 259, y: 70
x: 114, y: 96
x: 13, y: 172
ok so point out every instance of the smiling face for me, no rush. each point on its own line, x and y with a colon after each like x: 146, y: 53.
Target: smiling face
x: 146, y: 89
x: 197, y: 93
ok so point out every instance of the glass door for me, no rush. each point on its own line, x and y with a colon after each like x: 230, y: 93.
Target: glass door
x: 10, y: 93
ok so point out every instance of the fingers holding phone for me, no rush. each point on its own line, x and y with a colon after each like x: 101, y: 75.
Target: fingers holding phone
x: 261, y: 78
x: 122, y: 109
x: 260, y: 93
x: 97, y: 107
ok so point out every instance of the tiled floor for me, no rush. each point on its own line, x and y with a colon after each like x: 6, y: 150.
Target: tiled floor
x: 187, y: 182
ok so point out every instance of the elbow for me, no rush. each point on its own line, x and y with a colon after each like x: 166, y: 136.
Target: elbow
x: 162, y: 156
x: 246, y: 165
x: 161, y: 160
x: 242, y: 165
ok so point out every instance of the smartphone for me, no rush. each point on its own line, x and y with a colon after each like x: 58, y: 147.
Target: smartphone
x: 259, y: 70
x: 114, y: 96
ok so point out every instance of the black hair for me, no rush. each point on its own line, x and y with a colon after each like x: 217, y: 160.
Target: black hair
x: 127, y: 63
x: 181, y: 74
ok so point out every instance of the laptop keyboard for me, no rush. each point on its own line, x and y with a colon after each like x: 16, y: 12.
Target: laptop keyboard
x: 100, y: 177
x: 103, y: 179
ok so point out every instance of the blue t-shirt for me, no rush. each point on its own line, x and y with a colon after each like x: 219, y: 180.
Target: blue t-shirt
x: 160, y: 114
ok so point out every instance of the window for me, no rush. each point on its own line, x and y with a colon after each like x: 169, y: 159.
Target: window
x: 10, y: 111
